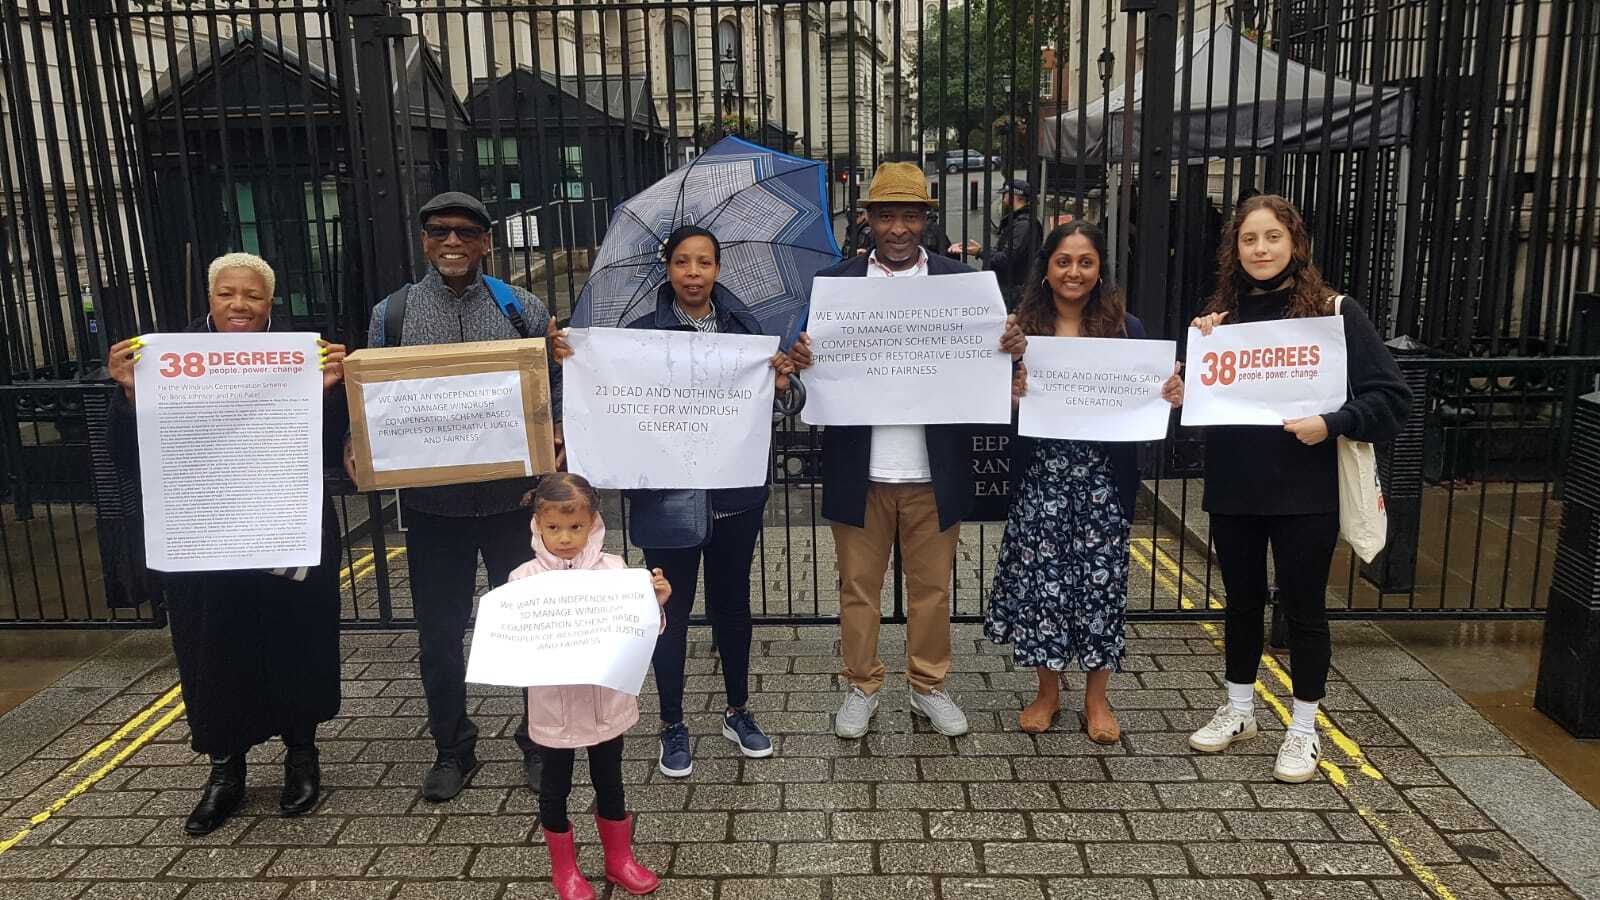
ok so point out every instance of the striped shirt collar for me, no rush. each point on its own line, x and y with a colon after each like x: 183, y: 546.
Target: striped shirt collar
x: 707, y: 325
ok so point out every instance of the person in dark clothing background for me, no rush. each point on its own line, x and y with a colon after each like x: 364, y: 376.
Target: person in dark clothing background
x: 1279, y: 487
x: 449, y: 527
x: 1017, y: 239
x: 257, y: 651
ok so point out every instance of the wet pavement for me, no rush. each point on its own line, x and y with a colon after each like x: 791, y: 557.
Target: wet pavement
x: 1419, y: 795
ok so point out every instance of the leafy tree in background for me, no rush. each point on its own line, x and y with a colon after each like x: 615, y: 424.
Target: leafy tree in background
x: 979, y: 64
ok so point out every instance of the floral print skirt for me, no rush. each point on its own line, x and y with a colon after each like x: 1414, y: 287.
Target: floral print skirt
x: 1061, y: 585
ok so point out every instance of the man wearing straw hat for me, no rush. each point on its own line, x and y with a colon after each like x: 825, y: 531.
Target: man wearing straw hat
x: 913, y: 480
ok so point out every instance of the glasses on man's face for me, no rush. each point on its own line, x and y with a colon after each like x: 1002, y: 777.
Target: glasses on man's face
x: 910, y: 218
x: 443, y: 232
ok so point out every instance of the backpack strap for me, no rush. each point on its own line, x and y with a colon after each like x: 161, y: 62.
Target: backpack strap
x: 506, y: 299
x: 394, y: 316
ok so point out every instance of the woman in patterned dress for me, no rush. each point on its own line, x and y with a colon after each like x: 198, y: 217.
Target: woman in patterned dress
x: 1061, y: 584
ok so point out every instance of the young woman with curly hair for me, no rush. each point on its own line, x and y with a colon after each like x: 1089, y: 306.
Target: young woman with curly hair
x: 1279, y: 487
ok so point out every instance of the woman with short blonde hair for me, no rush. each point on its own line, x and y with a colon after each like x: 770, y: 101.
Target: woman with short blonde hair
x: 257, y: 651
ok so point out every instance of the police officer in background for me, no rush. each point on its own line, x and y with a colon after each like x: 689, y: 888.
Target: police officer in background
x: 1017, y: 240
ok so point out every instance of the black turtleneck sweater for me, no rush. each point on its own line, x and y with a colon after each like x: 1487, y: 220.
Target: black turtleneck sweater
x: 1264, y: 470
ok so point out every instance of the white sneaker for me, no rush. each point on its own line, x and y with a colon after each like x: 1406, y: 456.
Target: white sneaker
x: 940, y: 711
x: 854, y: 717
x: 1297, y: 758
x: 1227, y: 726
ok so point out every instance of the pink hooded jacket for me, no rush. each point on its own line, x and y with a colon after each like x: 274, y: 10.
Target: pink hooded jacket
x: 576, y: 715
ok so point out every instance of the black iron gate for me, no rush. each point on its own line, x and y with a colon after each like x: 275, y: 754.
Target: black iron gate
x: 1451, y: 173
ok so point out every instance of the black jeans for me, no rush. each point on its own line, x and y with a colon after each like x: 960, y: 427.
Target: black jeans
x: 727, y: 558
x: 442, y: 554
x: 555, y: 784
x: 1302, y: 551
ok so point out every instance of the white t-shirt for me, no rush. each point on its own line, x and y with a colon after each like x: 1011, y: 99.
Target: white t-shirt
x: 899, y: 452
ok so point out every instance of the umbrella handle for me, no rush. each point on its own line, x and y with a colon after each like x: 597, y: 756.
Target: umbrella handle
x: 790, y: 402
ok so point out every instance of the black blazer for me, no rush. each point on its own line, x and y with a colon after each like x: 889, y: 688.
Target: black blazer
x: 1124, y: 454
x: 847, y: 449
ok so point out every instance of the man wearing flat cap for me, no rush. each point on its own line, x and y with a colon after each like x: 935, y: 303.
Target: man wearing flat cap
x: 447, y: 528
x: 1017, y: 239
x: 914, y: 480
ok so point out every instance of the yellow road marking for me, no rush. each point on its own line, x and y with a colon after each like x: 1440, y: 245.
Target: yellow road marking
x: 122, y: 732
x: 94, y: 778
x: 358, y: 569
x: 1344, y: 742
x: 1336, y: 776
x: 366, y: 565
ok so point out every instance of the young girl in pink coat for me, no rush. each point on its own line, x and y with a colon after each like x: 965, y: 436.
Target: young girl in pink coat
x: 567, y: 534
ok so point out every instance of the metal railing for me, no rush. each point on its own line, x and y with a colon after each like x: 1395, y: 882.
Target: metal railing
x: 169, y: 133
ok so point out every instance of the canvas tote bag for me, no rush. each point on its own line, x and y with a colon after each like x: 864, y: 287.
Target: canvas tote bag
x: 1363, y: 520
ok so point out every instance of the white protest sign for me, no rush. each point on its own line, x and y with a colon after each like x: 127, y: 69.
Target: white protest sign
x: 578, y: 626
x: 1096, y: 389
x: 230, y: 450
x: 451, y: 420
x: 907, y: 351
x: 1262, y: 373
x: 668, y: 409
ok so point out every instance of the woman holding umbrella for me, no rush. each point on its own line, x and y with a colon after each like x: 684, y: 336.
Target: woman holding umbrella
x: 678, y: 529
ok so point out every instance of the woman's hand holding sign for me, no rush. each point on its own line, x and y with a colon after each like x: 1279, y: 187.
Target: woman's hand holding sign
x: 123, y: 356
x: 1172, y: 388
x: 1311, y: 430
x: 331, y: 362
x: 1012, y: 340
x: 1208, y: 322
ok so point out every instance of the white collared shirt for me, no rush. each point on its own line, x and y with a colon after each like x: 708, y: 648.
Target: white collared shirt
x: 899, y: 452
x: 877, y: 269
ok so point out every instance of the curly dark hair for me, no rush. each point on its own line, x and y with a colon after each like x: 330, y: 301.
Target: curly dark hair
x: 1310, y: 295
x: 1105, y: 315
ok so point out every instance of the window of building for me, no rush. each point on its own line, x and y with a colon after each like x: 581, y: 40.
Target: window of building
x: 508, y: 152
x: 571, y: 184
x: 243, y: 214
x: 680, y: 46
x: 324, y: 243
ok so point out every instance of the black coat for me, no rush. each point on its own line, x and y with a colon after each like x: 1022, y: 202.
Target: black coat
x: 258, y: 654
x: 1124, y: 454
x: 1263, y: 470
x: 1016, y: 243
x: 847, y: 449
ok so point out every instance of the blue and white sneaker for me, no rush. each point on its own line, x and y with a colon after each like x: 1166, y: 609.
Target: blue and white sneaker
x: 676, y: 760
x: 741, y: 728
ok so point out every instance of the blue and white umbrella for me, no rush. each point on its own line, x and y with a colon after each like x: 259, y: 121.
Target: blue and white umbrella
x: 768, y: 211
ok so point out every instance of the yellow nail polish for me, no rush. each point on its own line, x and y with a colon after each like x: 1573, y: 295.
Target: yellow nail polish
x: 136, y: 356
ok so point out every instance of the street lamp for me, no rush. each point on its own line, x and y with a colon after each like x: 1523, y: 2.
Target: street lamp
x: 1106, y: 60
x: 729, y: 77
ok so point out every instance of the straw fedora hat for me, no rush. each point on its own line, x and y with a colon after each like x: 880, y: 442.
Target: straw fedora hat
x: 898, y: 182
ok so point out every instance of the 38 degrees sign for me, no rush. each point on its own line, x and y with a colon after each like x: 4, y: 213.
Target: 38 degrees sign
x: 1262, y: 373
x: 255, y: 362
x: 1260, y: 363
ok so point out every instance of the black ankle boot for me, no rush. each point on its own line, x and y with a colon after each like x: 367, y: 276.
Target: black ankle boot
x: 302, y: 781
x: 223, y: 793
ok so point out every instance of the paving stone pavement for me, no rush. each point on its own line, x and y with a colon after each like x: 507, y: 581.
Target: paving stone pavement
x: 905, y: 813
